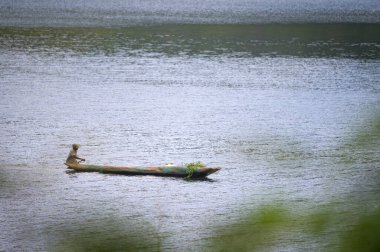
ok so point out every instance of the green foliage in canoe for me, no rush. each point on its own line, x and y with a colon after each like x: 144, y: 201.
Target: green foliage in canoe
x: 191, y: 167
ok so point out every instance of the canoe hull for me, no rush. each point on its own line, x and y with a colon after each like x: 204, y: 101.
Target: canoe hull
x: 167, y: 171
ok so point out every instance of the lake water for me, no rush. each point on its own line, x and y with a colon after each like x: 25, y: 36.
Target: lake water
x: 274, y: 105
x: 127, y: 12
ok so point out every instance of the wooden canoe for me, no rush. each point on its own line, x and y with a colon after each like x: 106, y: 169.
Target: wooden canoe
x: 170, y: 171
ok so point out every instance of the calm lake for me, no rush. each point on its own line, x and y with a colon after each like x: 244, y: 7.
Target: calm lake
x: 274, y: 105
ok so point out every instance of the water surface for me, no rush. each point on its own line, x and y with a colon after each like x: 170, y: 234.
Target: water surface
x: 131, y: 12
x: 273, y: 105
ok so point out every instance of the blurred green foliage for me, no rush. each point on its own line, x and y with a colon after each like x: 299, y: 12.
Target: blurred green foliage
x: 254, y: 232
x: 365, y: 234
x: 2, y: 179
x: 372, y: 136
x: 110, y: 235
x: 264, y: 229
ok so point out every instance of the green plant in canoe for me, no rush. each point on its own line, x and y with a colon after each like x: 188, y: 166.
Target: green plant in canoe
x: 191, y: 167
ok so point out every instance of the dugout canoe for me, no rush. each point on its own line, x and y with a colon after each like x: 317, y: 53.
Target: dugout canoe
x: 168, y: 171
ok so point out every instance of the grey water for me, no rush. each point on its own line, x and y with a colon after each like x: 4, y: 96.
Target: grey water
x: 275, y: 105
x: 128, y: 12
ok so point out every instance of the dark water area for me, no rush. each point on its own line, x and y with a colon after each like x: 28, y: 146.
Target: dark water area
x: 299, y: 40
x: 276, y: 105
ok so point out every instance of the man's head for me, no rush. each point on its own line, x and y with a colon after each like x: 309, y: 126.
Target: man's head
x: 75, y: 146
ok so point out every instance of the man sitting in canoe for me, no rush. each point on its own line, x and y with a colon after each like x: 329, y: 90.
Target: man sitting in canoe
x: 72, y: 158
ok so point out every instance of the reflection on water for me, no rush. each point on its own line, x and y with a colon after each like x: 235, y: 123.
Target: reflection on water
x: 301, y: 40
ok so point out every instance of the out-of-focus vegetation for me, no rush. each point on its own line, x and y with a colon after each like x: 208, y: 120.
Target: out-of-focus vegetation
x: 367, y: 138
x: 254, y: 232
x: 267, y: 228
x: 338, y: 229
x: 2, y: 179
x: 365, y: 234
x: 106, y: 235
x: 364, y: 147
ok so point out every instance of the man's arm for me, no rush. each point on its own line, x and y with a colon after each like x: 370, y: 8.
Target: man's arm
x: 76, y: 157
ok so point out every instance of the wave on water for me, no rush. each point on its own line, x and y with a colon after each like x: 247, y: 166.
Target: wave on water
x: 133, y: 12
